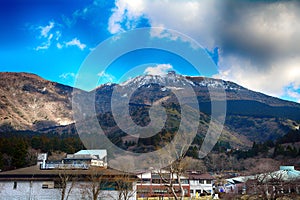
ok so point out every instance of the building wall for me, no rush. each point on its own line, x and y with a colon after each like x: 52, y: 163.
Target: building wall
x: 197, y: 186
x: 159, y: 190
x: 32, y: 190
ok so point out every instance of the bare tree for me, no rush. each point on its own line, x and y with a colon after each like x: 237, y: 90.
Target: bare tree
x: 266, y: 181
x: 66, y: 177
x: 176, y: 149
x: 124, y: 185
x: 193, y: 164
x: 171, y: 178
x: 92, y: 188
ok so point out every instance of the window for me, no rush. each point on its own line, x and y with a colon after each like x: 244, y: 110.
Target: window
x: 15, y: 185
x: 116, y: 185
x: 48, y: 185
x: 156, y: 181
x: 208, y: 181
x: 186, y: 191
x: 144, y: 191
x: 185, y: 181
x: 144, y: 180
x: 160, y: 191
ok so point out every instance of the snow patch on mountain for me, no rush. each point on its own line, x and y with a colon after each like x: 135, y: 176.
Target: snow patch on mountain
x: 176, y: 81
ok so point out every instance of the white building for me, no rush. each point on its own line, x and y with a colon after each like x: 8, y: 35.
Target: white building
x: 34, y: 183
x: 201, y: 184
x: 83, y: 175
x: 82, y: 159
x: 285, y: 174
x: 150, y: 184
x: 93, y: 157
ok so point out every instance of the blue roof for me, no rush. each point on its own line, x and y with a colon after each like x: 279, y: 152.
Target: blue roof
x: 290, y: 171
x: 288, y: 168
x: 285, y: 173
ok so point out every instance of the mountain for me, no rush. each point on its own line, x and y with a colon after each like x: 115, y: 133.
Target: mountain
x: 250, y: 115
x: 29, y: 102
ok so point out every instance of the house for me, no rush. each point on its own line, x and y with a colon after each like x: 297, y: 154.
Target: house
x: 93, y: 157
x: 83, y: 175
x: 201, y: 184
x: 150, y: 184
x: 35, y: 183
x: 285, y: 180
x: 82, y: 159
x: 236, y: 185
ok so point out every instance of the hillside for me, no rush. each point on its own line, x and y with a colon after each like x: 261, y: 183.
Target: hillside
x: 31, y: 102
x: 251, y: 115
x: 28, y: 102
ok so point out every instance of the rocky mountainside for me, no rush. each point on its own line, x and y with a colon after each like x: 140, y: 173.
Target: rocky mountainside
x: 29, y: 102
x: 251, y: 115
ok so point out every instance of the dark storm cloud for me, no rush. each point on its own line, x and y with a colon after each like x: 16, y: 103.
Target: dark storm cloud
x: 258, y: 30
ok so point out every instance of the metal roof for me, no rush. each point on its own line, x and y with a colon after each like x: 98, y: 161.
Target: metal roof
x: 285, y: 173
x: 101, y: 153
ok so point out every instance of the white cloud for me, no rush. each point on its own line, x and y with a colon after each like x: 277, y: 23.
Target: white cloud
x: 257, y: 39
x: 68, y: 78
x: 47, y: 35
x: 42, y: 47
x: 271, y: 81
x: 50, y: 34
x: 58, y: 35
x: 46, y: 29
x: 131, y: 10
x: 293, y: 94
x: 46, y: 44
x: 159, y: 69
x: 105, y: 78
x: 189, y: 16
x: 67, y: 75
x: 59, y: 46
x: 77, y: 43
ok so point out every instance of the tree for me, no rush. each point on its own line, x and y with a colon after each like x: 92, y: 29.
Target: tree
x: 66, y: 176
x: 176, y: 149
x: 266, y: 182
x: 173, y: 176
x: 94, y: 182
x: 124, y: 185
x: 194, y: 164
x: 1, y: 161
x: 19, y: 153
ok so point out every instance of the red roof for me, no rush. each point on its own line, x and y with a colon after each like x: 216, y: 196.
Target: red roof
x: 206, y: 176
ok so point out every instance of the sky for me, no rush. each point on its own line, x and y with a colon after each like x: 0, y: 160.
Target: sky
x: 253, y: 43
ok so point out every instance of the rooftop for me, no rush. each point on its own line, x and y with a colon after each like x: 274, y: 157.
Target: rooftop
x: 101, y: 153
x: 34, y: 172
x: 196, y: 176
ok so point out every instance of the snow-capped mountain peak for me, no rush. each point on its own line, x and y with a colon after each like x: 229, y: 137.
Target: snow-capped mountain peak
x: 177, y: 81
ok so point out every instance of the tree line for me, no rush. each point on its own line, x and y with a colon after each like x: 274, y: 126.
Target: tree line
x: 284, y: 146
x: 20, y: 149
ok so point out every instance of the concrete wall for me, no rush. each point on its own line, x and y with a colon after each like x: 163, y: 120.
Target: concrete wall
x: 34, y: 191
x: 195, y: 185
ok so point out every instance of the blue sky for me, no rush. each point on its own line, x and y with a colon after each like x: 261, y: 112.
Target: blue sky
x: 252, y: 42
x: 50, y: 38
